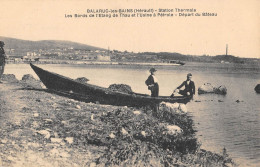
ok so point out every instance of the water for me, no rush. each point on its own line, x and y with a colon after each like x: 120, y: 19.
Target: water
x: 220, y: 120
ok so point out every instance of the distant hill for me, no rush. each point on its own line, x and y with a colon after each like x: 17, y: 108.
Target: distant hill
x: 23, y: 45
x: 204, y: 58
x: 228, y: 58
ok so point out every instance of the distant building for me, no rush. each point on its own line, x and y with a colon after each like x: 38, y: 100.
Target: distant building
x: 89, y: 57
x: 150, y: 56
x: 9, y: 51
x: 17, y: 60
x: 31, y: 54
x: 225, y: 62
x: 103, y: 58
x: 25, y: 57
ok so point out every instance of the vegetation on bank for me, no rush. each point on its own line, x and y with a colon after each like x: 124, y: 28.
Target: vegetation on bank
x: 122, y: 136
x: 131, y: 137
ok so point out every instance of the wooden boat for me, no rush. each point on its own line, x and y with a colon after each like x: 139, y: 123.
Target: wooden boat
x: 176, y: 62
x: 85, y: 91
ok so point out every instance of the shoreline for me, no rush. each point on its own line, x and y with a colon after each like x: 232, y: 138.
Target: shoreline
x: 40, y: 128
x: 99, y: 63
x: 142, y: 64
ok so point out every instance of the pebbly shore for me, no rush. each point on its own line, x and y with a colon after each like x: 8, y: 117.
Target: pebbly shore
x: 39, y: 128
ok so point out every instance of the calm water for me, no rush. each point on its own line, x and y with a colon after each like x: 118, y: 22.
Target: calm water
x: 235, y: 126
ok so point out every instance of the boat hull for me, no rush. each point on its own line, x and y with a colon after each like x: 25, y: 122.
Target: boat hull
x: 95, y: 93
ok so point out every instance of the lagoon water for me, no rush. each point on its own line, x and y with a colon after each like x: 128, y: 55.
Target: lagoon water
x: 220, y: 120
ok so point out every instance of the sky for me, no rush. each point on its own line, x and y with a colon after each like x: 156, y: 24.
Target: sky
x: 237, y: 24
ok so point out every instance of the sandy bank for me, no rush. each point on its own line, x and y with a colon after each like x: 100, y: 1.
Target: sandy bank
x: 43, y: 129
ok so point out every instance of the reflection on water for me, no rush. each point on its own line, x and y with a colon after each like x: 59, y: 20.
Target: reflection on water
x: 220, y: 120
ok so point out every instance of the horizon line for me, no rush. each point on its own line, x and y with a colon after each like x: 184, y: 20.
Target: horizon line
x: 126, y: 50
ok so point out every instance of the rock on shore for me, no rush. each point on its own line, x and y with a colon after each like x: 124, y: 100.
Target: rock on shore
x: 257, y: 88
x: 121, y: 88
x: 209, y: 88
x: 9, y: 78
x: 173, y: 107
x: 30, y: 82
x: 206, y: 88
x: 82, y: 80
x: 220, y: 90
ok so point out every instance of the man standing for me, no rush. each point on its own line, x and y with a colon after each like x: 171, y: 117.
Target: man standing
x: 2, y: 59
x: 189, y: 89
x: 152, y: 83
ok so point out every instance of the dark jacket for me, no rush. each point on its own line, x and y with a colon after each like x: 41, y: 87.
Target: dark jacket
x: 154, y: 88
x: 149, y: 80
x: 188, y: 87
x: 2, y: 56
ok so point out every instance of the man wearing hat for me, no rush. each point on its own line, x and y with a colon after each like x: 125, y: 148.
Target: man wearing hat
x: 2, y: 59
x: 189, y: 87
x: 152, y: 83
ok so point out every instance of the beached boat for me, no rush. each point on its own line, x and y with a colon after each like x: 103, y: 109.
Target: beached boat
x: 89, y: 92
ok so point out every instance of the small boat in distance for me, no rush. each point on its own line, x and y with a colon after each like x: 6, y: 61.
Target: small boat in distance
x: 88, y: 92
x: 176, y: 62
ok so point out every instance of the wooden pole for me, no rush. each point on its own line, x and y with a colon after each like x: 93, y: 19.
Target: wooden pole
x: 226, y: 49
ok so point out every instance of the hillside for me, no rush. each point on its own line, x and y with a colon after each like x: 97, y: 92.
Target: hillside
x: 50, y: 47
x: 24, y: 45
x: 203, y: 58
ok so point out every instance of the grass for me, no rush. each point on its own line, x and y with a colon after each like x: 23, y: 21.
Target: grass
x: 128, y: 146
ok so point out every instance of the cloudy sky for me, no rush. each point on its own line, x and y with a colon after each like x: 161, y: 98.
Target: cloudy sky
x: 237, y: 24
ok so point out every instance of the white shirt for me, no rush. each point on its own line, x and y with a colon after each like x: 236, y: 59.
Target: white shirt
x: 188, y: 82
